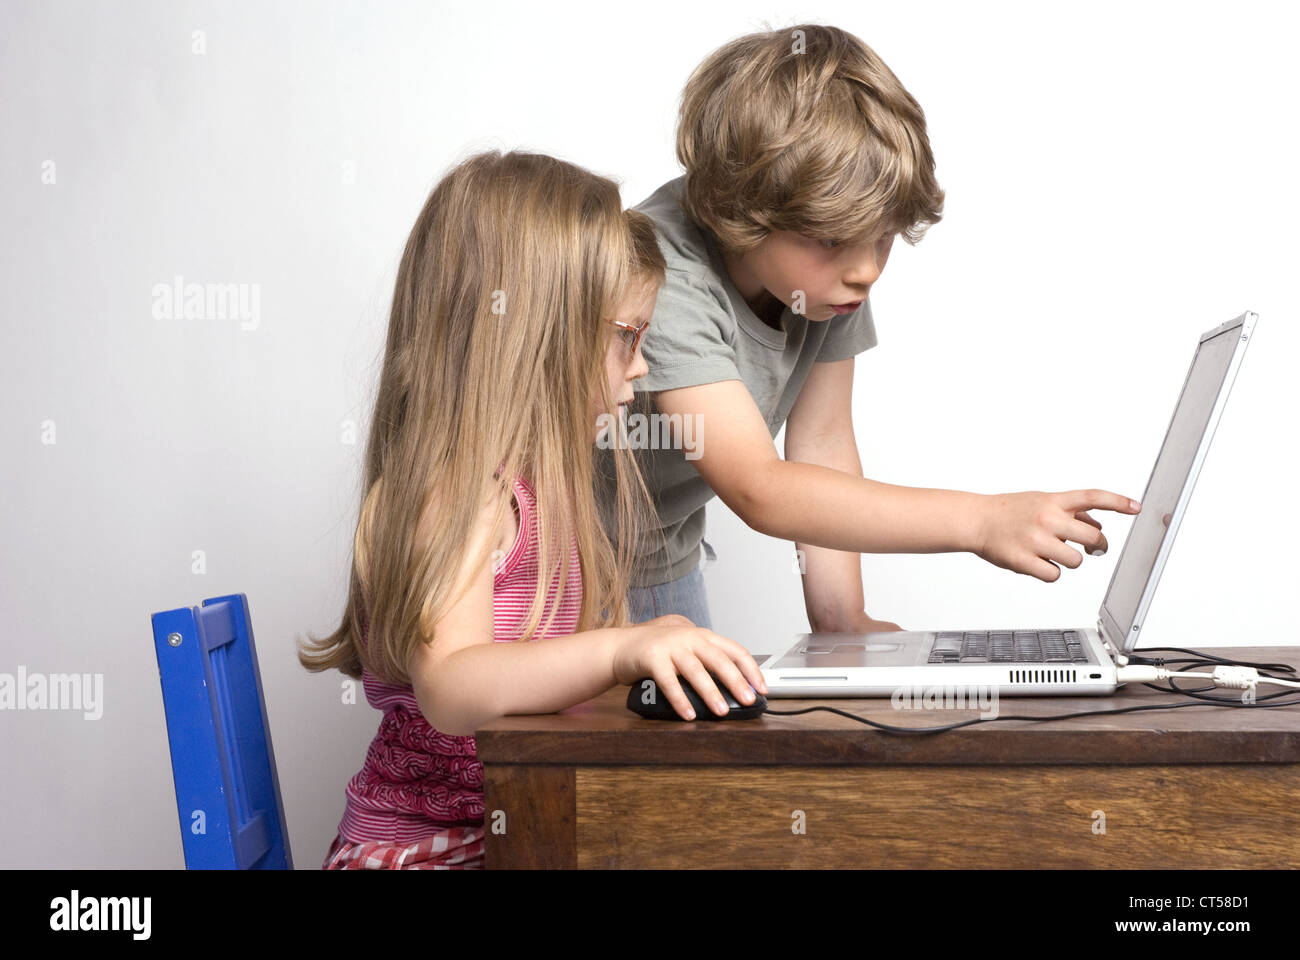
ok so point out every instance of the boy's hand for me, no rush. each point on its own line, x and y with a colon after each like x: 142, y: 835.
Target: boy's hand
x: 1025, y: 532
x: 863, y: 623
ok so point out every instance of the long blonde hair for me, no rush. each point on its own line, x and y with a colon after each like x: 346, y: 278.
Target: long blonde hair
x: 495, y: 353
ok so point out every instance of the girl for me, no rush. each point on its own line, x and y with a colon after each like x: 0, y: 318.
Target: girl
x: 520, y: 303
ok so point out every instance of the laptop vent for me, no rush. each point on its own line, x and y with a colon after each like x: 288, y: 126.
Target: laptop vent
x: 1042, y: 676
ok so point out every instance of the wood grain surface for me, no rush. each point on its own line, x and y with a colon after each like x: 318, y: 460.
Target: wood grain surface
x: 598, y: 786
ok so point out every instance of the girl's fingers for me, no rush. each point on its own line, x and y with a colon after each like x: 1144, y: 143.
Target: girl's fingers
x: 669, y: 688
x: 698, y: 677
x: 729, y: 673
x: 743, y: 659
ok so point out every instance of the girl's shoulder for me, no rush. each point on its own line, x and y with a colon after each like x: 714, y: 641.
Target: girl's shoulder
x: 505, y: 537
x: 503, y: 532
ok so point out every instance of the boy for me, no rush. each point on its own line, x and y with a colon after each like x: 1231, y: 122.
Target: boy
x: 804, y: 157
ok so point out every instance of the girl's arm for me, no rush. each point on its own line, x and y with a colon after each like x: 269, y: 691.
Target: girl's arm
x: 463, y: 678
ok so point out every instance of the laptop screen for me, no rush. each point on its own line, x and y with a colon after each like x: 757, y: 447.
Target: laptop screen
x: 1138, y: 568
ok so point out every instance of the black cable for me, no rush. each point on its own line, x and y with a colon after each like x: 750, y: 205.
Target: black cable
x: 1210, y: 661
x: 1201, y: 659
x: 1062, y: 716
x: 1207, y: 658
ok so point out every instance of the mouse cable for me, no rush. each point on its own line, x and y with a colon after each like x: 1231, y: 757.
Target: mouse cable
x: 1205, y: 702
x: 1198, y: 701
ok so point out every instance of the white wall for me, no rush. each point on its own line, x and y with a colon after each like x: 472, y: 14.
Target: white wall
x: 1119, y: 178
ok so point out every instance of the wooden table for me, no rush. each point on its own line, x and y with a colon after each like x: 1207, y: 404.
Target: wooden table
x: 1199, y: 787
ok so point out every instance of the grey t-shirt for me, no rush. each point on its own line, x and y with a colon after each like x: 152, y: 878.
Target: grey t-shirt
x: 702, y: 332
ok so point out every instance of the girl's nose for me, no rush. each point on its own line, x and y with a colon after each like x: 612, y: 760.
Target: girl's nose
x: 639, y: 368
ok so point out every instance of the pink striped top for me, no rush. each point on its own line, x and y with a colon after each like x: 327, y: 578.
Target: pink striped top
x: 417, y: 781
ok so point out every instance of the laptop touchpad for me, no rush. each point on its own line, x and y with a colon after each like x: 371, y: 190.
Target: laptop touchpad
x: 875, y: 652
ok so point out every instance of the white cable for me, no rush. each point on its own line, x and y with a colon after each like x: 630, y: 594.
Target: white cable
x: 1230, y: 676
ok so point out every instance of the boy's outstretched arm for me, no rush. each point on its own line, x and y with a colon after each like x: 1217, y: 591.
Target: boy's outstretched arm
x: 1024, y: 532
x: 819, y: 430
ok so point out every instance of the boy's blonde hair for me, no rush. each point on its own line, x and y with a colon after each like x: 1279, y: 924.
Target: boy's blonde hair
x: 496, y: 349
x: 804, y: 129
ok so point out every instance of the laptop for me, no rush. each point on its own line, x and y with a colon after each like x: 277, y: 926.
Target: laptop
x: 1037, y: 662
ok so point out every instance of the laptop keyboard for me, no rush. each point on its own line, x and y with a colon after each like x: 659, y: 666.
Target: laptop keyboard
x: 1009, y: 646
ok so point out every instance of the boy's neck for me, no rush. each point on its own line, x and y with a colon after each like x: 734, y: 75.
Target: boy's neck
x: 769, y: 310
x: 765, y: 306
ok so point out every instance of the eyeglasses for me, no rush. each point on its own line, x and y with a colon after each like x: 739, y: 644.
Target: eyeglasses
x: 631, y: 335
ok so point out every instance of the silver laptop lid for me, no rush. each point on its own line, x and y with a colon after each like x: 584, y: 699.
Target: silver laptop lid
x: 1205, y: 392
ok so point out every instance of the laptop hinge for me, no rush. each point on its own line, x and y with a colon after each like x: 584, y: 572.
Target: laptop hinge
x: 1116, y: 654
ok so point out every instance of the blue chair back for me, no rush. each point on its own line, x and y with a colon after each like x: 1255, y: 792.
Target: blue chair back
x: 227, y: 789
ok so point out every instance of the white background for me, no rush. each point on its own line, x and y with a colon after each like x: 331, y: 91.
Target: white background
x: 1119, y: 178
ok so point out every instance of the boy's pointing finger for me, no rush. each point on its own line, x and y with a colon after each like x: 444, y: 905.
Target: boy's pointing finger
x: 1101, y: 500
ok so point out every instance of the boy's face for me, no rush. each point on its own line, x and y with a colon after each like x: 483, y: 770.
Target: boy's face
x: 832, y: 278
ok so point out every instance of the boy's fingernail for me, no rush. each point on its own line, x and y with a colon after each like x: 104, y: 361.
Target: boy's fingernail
x: 1135, y: 505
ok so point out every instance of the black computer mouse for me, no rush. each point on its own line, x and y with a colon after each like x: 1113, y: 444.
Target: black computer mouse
x: 646, y: 699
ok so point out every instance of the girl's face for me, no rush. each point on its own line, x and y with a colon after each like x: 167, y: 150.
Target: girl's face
x: 621, y: 367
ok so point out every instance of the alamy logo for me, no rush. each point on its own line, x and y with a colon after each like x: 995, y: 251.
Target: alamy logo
x: 102, y: 913
x: 656, y: 431
x: 54, y: 691
x: 951, y: 697
x: 208, y: 301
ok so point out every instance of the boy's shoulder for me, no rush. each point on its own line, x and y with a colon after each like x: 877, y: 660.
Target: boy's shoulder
x: 682, y: 242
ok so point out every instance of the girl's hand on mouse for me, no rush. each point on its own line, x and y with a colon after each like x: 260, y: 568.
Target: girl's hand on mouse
x: 1026, y: 532
x: 670, y: 645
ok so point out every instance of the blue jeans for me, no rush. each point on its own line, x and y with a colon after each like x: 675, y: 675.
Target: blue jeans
x: 684, y: 596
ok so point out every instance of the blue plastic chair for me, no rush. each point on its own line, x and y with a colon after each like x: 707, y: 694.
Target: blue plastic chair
x: 227, y: 790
